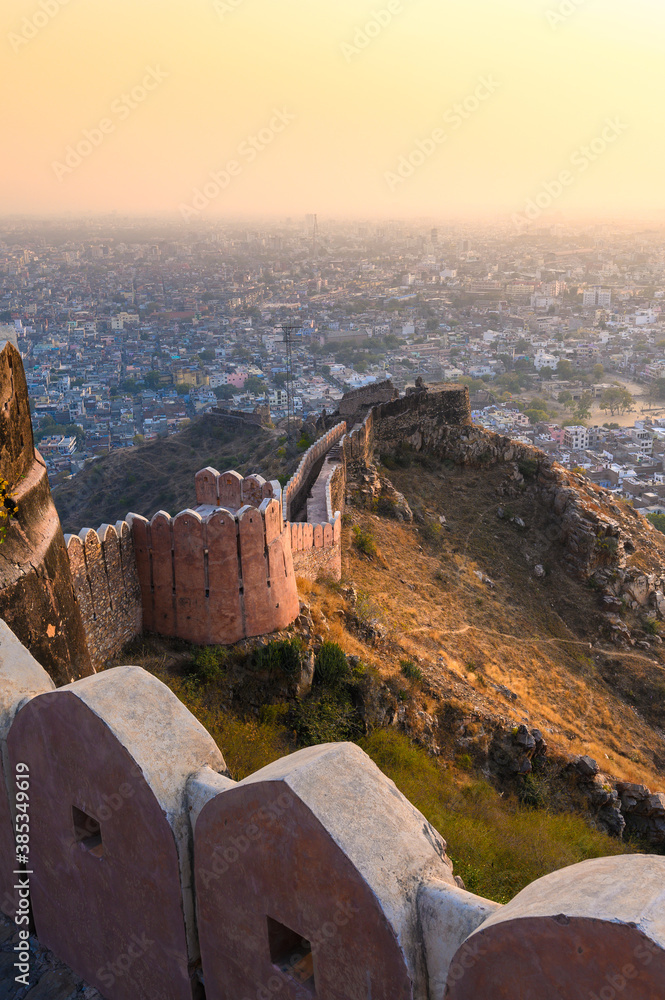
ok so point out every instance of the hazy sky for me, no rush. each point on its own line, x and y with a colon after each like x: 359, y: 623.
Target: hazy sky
x: 310, y: 112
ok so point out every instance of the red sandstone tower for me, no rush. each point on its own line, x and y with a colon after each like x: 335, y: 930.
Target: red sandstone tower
x: 223, y: 571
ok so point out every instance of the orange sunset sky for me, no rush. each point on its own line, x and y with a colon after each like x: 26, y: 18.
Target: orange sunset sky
x: 362, y: 88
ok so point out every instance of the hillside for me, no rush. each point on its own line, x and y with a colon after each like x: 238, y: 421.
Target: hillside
x: 160, y: 474
x: 465, y: 599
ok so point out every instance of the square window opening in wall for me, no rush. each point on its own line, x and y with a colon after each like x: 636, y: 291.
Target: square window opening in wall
x: 87, y: 832
x: 291, y: 953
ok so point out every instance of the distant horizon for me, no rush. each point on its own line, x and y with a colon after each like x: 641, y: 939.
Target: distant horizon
x: 654, y: 220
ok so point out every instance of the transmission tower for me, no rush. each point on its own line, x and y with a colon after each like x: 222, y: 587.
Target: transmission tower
x: 288, y: 331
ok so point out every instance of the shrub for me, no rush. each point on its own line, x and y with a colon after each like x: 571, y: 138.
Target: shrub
x: 364, y: 541
x: 283, y: 656
x: 327, y: 719
x: 386, y: 507
x: 331, y: 667
x: 208, y: 664
x: 411, y: 671
x: 432, y: 532
x: 528, y: 467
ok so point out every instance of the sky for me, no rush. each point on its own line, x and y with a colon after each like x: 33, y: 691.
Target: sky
x: 201, y: 109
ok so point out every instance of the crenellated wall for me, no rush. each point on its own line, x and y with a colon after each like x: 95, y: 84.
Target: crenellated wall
x: 297, y: 488
x: 106, y: 585
x: 217, y: 575
x: 151, y: 871
x: 317, y: 548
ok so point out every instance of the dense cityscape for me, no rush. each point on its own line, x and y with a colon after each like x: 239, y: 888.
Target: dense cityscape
x: 131, y: 329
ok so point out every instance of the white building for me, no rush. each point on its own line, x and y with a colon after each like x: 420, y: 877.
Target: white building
x: 545, y: 360
x: 643, y: 439
x: 576, y: 437
x: 597, y: 297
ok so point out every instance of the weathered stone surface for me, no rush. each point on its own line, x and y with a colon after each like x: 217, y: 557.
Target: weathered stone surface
x: 587, y: 766
x: 36, y: 593
x: 357, y: 879
x: 104, y: 571
x: 578, y: 933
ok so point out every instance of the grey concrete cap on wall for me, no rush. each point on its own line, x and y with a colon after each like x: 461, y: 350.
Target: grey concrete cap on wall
x: 627, y: 889
x: 21, y: 677
x: 162, y: 736
x: 448, y: 915
x: 203, y: 786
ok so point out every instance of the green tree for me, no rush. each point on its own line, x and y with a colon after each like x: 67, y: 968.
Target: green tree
x: 617, y: 400
x: 564, y: 369
x: 565, y: 398
x: 583, y: 408
x: 224, y: 391
x: 598, y: 373
x: 658, y: 521
x: 254, y: 385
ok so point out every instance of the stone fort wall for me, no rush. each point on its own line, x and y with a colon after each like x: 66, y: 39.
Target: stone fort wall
x: 226, y: 570
x: 107, y: 588
x: 36, y: 593
x: 151, y: 871
x: 298, y: 486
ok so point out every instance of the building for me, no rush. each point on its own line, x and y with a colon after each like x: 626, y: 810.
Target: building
x: 642, y: 439
x: 597, y: 296
x: 576, y: 437
x: 57, y: 445
x: 545, y: 360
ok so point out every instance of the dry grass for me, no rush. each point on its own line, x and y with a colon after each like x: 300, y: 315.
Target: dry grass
x: 538, y: 638
x: 497, y: 846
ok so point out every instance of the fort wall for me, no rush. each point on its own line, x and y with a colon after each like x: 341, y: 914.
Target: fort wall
x: 216, y: 575
x: 354, y: 402
x: 297, y: 488
x: 37, y: 598
x: 138, y: 835
x: 106, y: 584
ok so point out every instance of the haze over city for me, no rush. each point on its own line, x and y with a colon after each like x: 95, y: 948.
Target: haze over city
x: 397, y: 108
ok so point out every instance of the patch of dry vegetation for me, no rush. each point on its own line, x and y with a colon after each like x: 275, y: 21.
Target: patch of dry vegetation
x: 462, y: 601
